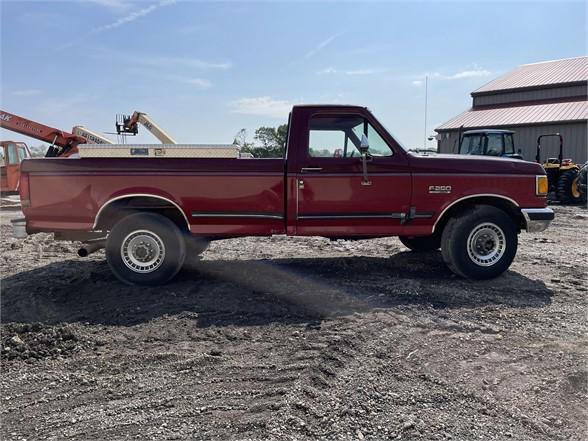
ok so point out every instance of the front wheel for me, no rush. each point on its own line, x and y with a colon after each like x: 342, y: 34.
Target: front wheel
x: 480, y: 243
x: 145, y: 249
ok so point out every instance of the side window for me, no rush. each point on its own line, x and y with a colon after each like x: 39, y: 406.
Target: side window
x: 2, y: 160
x: 22, y: 153
x: 508, y: 144
x: 340, y: 137
x: 327, y: 144
x: 12, y: 155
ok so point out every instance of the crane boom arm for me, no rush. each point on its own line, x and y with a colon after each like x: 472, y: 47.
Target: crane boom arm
x: 39, y: 131
x: 154, y: 128
x: 90, y: 136
x: 128, y: 125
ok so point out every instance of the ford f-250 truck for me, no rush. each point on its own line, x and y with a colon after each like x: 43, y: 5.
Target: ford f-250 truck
x: 342, y: 176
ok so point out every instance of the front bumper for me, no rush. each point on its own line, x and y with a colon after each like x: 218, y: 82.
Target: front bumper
x: 537, y: 219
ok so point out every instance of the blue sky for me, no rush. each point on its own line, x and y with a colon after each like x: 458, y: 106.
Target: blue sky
x: 203, y: 70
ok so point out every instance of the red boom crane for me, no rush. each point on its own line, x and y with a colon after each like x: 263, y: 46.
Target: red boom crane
x: 62, y: 143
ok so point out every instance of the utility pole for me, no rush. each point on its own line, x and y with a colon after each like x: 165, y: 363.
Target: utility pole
x: 426, y: 101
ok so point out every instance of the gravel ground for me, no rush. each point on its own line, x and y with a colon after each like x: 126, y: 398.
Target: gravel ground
x: 297, y: 339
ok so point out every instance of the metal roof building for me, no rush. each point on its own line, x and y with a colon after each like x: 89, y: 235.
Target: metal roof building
x: 532, y: 100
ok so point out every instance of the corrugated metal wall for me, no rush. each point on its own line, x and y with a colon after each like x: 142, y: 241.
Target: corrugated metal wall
x: 525, y: 138
x: 531, y: 95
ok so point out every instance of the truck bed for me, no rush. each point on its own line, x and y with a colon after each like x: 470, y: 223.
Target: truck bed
x: 66, y: 194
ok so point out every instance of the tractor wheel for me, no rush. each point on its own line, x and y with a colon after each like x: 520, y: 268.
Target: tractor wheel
x: 581, y: 183
x: 567, y: 189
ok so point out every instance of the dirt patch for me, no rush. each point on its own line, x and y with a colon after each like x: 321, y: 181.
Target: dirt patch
x: 298, y: 339
x: 23, y: 341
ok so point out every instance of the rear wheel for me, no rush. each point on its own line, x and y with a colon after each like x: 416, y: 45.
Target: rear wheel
x: 568, y: 191
x: 145, y: 249
x: 421, y: 243
x: 480, y: 243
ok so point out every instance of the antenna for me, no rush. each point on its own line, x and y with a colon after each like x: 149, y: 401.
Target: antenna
x: 426, y: 100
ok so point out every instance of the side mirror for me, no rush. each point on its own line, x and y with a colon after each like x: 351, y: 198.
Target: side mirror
x: 365, y: 145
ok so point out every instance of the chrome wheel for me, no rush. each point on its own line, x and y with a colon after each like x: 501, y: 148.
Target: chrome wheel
x: 486, y: 244
x: 142, y: 251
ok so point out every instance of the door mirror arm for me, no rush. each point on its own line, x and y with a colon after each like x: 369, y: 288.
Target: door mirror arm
x: 363, y: 149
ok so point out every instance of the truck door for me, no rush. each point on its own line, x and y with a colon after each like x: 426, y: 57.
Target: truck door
x: 332, y: 197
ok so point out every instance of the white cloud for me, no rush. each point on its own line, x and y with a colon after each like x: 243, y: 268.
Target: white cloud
x: 198, y: 82
x: 263, y: 106
x: 473, y: 73
x: 327, y: 70
x: 132, y: 16
x: 26, y: 92
x: 319, y: 47
x: 332, y: 70
x: 195, y: 63
x: 362, y: 71
x: 116, y: 6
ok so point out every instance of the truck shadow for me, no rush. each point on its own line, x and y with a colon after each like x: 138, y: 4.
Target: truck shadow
x: 256, y: 292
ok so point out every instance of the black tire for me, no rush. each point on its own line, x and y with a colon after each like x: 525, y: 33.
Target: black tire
x: 567, y: 188
x: 581, y: 183
x: 195, y: 246
x: 473, y: 232
x: 144, y: 236
x: 421, y: 243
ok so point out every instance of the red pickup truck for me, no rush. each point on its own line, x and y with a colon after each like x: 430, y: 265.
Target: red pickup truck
x: 342, y: 176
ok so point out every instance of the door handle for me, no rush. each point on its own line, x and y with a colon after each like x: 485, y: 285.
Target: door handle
x: 311, y: 169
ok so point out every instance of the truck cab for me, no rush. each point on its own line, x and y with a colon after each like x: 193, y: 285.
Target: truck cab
x: 11, y: 155
x: 489, y: 142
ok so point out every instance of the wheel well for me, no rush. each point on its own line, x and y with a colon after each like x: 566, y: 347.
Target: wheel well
x: 115, y: 210
x: 503, y: 204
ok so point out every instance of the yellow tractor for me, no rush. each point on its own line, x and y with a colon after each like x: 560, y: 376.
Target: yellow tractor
x: 563, y: 175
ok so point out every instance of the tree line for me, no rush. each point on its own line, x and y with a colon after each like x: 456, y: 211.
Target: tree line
x: 268, y: 142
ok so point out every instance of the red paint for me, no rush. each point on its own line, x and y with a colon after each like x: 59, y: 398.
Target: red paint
x: 66, y: 194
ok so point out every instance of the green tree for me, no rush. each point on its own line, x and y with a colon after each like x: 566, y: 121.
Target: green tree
x: 241, y: 141
x: 272, y: 141
x: 269, y: 142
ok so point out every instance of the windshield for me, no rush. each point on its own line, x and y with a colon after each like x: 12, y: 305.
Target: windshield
x: 471, y: 145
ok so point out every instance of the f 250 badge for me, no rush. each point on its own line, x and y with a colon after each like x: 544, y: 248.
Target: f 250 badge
x: 439, y: 188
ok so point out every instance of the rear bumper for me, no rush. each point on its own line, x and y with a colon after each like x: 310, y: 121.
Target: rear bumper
x: 537, y: 219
